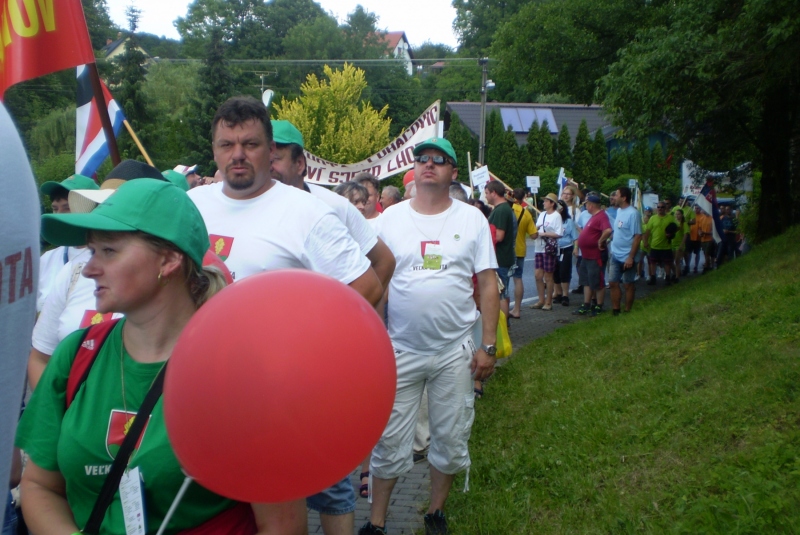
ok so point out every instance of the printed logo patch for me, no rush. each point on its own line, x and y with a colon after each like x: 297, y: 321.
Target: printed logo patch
x: 221, y: 244
x: 93, y: 317
x: 118, y: 425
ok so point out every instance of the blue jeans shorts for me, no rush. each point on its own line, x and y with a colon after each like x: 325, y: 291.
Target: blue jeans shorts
x: 338, y: 499
x: 502, y: 272
x: 618, y: 273
x: 520, y: 267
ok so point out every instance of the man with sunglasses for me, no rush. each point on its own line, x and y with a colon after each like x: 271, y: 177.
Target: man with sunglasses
x: 438, y: 244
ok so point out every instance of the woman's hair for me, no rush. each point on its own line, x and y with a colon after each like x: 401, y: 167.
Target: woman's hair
x: 563, y: 209
x: 201, y: 281
x: 681, y: 214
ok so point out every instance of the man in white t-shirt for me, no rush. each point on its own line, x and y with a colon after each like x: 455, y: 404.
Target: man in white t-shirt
x: 258, y: 224
x: 289, y: 167
x: 439, y: 244
x: 335, y: 505
x: 53, y: 260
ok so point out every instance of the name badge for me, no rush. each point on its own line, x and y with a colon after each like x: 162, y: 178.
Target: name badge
x: 131, y: 494
x: 433, y: 256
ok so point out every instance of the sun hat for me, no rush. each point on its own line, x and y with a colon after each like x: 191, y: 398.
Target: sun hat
x: 438, y: 143
x: 551, y: 197
x: 177, y: 179
x: 151, y: 206
x: 286, y: 133
x: 76, y: 181
x: 185, y: 170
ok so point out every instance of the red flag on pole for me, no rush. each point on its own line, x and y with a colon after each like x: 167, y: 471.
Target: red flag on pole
x: 38, y: 37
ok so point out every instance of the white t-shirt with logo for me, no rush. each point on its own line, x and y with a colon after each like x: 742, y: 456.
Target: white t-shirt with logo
x: 547, y: 223
x: 359, y: 228
x: 50, y: 264
x: 282, y: 228
x: 432, y: 308
x: 71, y: 305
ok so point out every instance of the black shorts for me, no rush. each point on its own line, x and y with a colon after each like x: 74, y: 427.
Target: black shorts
x: 563, y: 272
x: 661, y: 256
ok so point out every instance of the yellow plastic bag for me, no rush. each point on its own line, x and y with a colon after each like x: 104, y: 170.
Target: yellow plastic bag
x: 503, y: 340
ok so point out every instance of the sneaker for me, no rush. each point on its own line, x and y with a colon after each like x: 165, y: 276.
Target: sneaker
x: 369, y: 529
x: 578, y: 290
x: 636, y: 277
x: 651, y: 281
x: 435, y: 523
x: 565, y: 301
x: 557, y: 299
x: 597, y: 309
x: 615, y: 312
x: 583, y: 310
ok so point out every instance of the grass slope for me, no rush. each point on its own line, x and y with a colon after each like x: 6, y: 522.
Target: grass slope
x: 680, y: 417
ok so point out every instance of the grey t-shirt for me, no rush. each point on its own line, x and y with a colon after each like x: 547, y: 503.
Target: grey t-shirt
x: 19, y: 266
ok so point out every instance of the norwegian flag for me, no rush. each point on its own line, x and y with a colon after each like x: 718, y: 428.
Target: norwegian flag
x: 91, y: 148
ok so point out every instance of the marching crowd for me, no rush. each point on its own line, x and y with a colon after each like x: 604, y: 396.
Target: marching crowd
x: 139, y: 254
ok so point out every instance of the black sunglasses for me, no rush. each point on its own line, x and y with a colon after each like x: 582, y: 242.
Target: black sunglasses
x: 438, y: 160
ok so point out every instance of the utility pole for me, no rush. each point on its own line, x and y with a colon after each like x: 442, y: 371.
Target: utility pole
x: 483, y: 62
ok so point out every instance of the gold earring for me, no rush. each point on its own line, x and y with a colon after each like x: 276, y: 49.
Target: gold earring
x: 163, y: 281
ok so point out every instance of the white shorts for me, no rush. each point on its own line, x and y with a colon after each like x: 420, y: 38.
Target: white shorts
x: 451, y: 410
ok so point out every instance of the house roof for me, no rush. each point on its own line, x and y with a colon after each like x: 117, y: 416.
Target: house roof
x: 392, y: 39
x: 112, y: 46
x: 521, y: 115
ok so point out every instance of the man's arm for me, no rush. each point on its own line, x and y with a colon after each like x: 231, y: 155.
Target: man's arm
x: 383, y: 262
x: 482, y: 364
x: 601, y: 243
x: 500, y: 235
x: 369, y: 286
x: 634, y: 249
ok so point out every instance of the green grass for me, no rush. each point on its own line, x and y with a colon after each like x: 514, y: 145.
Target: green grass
x: 680, y: 417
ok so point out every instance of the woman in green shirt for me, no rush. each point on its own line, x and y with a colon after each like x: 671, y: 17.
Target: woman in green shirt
x: 147, y: 243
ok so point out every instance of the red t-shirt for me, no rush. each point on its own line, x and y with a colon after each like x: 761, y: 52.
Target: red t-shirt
x: 590, y: 235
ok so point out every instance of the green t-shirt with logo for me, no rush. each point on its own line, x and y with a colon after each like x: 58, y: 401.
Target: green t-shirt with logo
x: 81, y: 442
x: 657, y: 227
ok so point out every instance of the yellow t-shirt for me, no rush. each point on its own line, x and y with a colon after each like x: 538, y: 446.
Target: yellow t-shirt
x: 526, y: 227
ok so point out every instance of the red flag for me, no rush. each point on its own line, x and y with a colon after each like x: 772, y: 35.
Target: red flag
x: 38, y: 37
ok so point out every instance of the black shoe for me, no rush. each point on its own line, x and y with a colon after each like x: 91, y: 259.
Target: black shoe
x: 419, y: 457
x: 583, y: 310
x: 369, y: 529
x: 615, y: 312
x: 565, y: 301
x: 435, y: 523
x: 651, y: 281
x: 558, y: 299
x: 578, y: 290
x: 597, y: 309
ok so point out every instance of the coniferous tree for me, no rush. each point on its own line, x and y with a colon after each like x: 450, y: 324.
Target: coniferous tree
x: 463, y: 142
x: 600, y: 157
x: 546, y: 146
x: 564, y: 155
x: 508, y: 165
x: 215, y: 86
x: 533, y: 148
x: 618, y: 165
x: 494, y: 134
x: 583, y: 168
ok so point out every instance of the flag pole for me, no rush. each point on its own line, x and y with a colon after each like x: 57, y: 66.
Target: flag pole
x: 138, y: 143
x: 97, y: 89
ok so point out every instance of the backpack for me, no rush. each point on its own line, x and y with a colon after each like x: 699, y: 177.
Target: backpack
x: 93, y: 338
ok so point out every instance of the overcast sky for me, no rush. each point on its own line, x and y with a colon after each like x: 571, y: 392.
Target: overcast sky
x: 422, y: 20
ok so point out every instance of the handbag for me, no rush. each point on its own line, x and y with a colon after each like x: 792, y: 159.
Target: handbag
x: 550, y: 244
x: 503, y: 343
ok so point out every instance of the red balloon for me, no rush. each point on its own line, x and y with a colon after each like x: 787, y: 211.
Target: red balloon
x: 211, y: 258
x: 279, y: 386
x: 408, y: 178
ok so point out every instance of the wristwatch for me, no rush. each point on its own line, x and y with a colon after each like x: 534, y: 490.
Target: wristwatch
x: 490, y: 350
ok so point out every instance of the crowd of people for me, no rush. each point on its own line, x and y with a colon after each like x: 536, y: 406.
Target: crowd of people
x: 136, y: 256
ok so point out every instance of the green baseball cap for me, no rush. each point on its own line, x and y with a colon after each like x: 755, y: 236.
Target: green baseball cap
x: 286, y: 133
x: 438, y: 143
x: 74, y: 182
x: 151, y: 206
x: 177, y: 179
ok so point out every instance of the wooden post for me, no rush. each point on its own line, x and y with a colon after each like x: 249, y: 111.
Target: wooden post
x: 102, y: 109
x: 138, y: 143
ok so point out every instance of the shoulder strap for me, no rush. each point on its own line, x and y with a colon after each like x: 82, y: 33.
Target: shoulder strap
x: 521, y: 213
x: 93, y: 339
x: 111, y: 484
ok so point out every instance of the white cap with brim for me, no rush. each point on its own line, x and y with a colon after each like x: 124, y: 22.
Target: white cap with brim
x: 83, y: 201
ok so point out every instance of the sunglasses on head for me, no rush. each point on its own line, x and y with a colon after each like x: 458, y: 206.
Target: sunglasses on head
x: 438, y: 160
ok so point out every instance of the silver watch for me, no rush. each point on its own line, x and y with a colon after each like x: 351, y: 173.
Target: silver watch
x: 490, y: 350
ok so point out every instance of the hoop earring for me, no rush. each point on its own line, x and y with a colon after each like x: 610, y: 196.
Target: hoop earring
x: 163, y: 281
